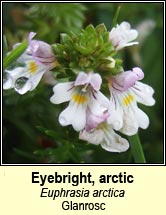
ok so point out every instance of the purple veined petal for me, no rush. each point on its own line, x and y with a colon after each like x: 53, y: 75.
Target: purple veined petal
x: 96, y: 81
x: 125, y: 80
x: 143, y: 93
x: 82, y: 79
x: 42, y: 52
x: 93, y: 79
x: 125, y: 115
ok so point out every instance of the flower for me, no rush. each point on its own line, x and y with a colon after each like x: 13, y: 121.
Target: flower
x: 98, y: 131
x: 104, y: 135
x: 84, y: 94
x: 37, y: 59
x: 41, y: 51
x: 126, y: 90
x: 122, y: 35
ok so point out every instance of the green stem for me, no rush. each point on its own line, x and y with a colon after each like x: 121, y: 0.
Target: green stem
x: 14, y: 54
x: 136, y: 149
x: 115, y: 19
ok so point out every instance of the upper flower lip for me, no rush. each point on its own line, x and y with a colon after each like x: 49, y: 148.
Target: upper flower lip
x: 127, y: 79
x: 41, y: 51
x: 93, y: 79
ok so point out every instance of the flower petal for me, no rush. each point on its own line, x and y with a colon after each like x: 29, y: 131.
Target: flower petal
x: 138, y: 71
x: 8, y: 82
x: 92, y: 121
x: 96, y: 81
x: 42, y: 52
x: 116, y: 115
x: 35, y: 79
x: 62, y: 92
x: 94, y: 137
x: 91, y: 78
x: 11, y: 76
x: 82, y: 79
x: 130, y: 124
x: 31, y: 36
x: 27, y: 87
x: 114, y: 142
x: 75, y: 115
x: 125, y: 80
x: 142, y: 118
x: 98, y: 103
x: 143, y: 93
x: 25, y: 57
x: 121, y: 35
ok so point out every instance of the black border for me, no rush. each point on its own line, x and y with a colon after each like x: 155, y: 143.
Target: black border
x: 163, y: 164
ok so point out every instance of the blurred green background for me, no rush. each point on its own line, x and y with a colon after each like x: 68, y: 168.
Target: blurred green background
x: 31, y: 132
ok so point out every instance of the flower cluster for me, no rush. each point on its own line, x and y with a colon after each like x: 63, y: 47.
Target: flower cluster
x: 96, y: 116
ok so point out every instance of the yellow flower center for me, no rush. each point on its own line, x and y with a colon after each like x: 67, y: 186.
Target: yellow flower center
x: 33, y: 67
x: 103, y: 126
x: 128, y: 99
x: 79, y: 98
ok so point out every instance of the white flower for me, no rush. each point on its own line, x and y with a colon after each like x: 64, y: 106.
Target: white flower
x: 126, y: 91
x: 104, y: 135
x: 83, y: 94
x: 37, y: 59
x: 122, y: 35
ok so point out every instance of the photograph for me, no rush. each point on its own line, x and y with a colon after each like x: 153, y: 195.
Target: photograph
x: 83, y: 83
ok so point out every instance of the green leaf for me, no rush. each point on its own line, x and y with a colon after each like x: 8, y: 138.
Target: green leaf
x: 14, y: 54
x: 85, y: 50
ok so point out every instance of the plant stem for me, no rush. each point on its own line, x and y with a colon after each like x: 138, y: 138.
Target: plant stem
x: 115, y: 19
x: 136, y: 149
